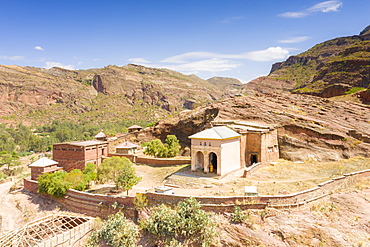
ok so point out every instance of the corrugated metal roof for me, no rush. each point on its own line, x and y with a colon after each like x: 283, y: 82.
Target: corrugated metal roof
x: 127, y: 144
x: 43, y: 162
x: 85, y: 143
x: 216, y: 133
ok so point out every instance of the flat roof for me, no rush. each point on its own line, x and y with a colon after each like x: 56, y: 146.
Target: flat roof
x: 216, y: 133
x: 83, y: 143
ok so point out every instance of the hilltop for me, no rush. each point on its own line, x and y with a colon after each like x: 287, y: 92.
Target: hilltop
x: 335, y: 67
x: 36, y: 95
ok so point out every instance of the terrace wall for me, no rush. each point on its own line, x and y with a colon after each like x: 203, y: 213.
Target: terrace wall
x: 103, y: 205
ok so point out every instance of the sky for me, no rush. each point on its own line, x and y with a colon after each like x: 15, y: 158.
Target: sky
x: 229, y: 38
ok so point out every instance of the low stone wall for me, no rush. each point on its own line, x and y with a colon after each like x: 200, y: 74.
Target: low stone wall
x: 96, y: 205
x: 104, y: 205
x: 153, y: 161
x: 290, y: 200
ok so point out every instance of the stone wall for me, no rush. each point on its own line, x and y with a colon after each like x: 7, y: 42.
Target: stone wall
x: 103, y: 205
x: 153, y: 161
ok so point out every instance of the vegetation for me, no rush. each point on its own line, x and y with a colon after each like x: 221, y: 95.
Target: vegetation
x: 120, y: 171
x: 238, y: 216
x: 186, y: 224
x: 354, y: 90
x: 21, y: 138
x: 116, y: 231
x: 57, y: 184
x: 157, y: 149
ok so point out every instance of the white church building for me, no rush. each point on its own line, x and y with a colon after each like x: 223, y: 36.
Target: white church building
x: 215, y: 146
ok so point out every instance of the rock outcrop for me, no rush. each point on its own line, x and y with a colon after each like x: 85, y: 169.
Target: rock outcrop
x: 329, y: 69
x: 308, y: 126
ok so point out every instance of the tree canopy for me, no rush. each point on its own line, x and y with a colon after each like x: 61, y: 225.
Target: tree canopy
x: 157, y: 149
x: 119, y: 170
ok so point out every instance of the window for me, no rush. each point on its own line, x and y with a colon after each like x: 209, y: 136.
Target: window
x: 64, y: 149
x: 276, y: 148
x: 56, y: 148
x: 205, y: 143
x: 209, y: 144
x: 71, y: 149
x: 269, y: 149
x: 200, y: 143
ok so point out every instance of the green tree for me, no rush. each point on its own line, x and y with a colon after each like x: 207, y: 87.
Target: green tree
x: 9, y: 159
x: 157, y: 149
x: 186, y: 223
x: 116, y: 231
x: 119, y: 170
x: 173, y: 146
x: 53, y: 184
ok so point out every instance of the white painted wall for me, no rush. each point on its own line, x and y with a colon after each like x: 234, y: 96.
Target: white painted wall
x: 230, y: 155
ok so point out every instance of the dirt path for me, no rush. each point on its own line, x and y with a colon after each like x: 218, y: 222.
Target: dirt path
x: 8, y: 212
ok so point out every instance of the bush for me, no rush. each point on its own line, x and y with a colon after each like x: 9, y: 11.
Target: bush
x: 238, y: 215
x: 187, y: 223
x: 57, y: 184
x: 157, y: 149
x: 116, y: 231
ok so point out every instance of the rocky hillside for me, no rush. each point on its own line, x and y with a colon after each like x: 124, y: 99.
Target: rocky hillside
x: 336, y: 67
x: 35, y: 95
x: 308, y: 126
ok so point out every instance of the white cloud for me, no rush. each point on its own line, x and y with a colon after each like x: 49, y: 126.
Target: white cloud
x: 294, y: 40
x: 232, y: 19
x: 12, y: 58
x: 293, y: 14
x: 270, y: 54
x: 138, y: 60
x: 210, y: 65
x: 49, y: 65
x: 324, y: 7
x: 39, y: 48
x: 328, y: 6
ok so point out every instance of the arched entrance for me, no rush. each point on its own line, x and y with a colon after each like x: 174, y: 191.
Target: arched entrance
x: 254, y: 159
x: 199, y: 160
x: 213, y: 162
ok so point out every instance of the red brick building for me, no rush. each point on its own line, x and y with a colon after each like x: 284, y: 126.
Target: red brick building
x: 75, y: 155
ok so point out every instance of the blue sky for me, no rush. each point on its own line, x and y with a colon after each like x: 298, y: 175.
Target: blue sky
x: 230, y: 38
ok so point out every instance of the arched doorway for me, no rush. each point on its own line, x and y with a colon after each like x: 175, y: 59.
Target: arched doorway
x: 199, y: 160
x: 213, y: 162
x: 254, y: 159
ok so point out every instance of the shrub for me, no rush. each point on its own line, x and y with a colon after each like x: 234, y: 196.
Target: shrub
x: 238, y: 215
x: 116, y: 231
x: 187, y: 223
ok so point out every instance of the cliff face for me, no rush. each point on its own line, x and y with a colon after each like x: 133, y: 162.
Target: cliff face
x: 131, y: 92
x: 329, y: 69
x: 308, y: 126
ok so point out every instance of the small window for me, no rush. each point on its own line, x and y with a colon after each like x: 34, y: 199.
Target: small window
x: 205, y: 143
x: 200, y: 143
x: 209, y: 144
x: 71, y: 149
x: 269, y: 149
x: 88, y: 149
x: 64, y: 149
x: 78, y: 149
x: 56, y: 148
